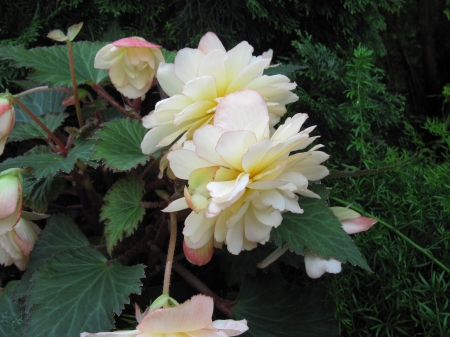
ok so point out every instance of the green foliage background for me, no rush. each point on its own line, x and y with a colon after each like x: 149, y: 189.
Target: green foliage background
x: 374, y: 86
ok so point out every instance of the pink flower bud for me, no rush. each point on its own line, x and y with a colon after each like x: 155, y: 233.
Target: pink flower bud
x: 132, y: 63
x: 6, y: 121
x: 199, y: 256
x: 11, y: 185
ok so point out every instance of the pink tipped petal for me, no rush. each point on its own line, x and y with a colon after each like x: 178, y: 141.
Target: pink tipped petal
x: 137, y: 42
x: 209, y: 42
x: 356, y: 225
x: 316, y: 266
x: 251, y: 106
x: 192, y: 315
x: 199, y: 256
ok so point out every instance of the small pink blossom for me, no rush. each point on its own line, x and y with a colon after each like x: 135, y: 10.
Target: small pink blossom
x: 190, y: 319
x: 132, y: 63
x: 10, y: 199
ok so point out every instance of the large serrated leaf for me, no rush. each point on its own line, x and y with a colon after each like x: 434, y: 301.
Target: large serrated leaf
x: 59, y: 234
x: 78, y: 290
x: 46, y: 164
x: 10, y: 313
x: 119, y: 144
x: 31, y: 130
x: 37, y: 193
x: 40, y: 103
x: 122, y: 211
x: 274, y: 308
x: 318, y: 230
x: 51, y: 64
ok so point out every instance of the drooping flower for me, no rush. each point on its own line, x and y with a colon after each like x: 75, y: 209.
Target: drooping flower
x: 190, y: 319
x: 132, y: 63
x: 352, y: 222
x: 16, y: 245
x: 11, y: 185
x: 200, y: 78
x: 251, y: 178
x: 7, y: 116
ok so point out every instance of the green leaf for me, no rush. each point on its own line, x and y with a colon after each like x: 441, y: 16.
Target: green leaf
x: 274, y: 308
x: 78, y: 290
x: 10, y: 313
x: 51, y: 64
x: 119, y: 144
x: 319, y: 230
x: 59, y: 234
x: 31, y: 130
x: 37, y: 193
x: 283, y: 69
x: 169, y: 56
x: 40, y: 103
x: 122, y: 211
x: 44, y: 163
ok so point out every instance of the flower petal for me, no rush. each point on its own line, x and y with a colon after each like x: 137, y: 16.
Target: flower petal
x: 167, y: 79
x: 316, y: 266
x: 186, y: 63
x: 183, y: 162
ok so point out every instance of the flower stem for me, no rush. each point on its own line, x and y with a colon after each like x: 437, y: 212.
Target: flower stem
x: 403, y: 236
x: 43, y: 88
x: 62, y: 147
x: 221, y: 304
x: 99, y: 89
x: 170, y: 252
x: 74, y: 84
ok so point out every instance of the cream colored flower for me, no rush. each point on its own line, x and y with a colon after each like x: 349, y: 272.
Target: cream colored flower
x: 16, y: 245
x: 352, y: 222
x: 200, y: 78
x: 11, y: 185
x: 190, y: 319
x: 132, y: 63
x: 7, y: 116
x: 255, y: 178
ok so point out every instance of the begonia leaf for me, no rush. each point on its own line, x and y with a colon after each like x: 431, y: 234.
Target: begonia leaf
x: 37, y: 193
x: 119, y: 144
x: 44, y: 163
x: 78, y: 290
x: 11, y: 314
x: 51, y: 64
x: 59, y: 234
x: 275, y: 308
x: 318, y: 230
x: 31, y: 130
x: 40, y: 103
x: 122, y: 211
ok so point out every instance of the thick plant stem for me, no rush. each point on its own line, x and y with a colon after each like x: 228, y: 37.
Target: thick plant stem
x: 98, y: 88
x: 62, y: 147
x: 43, y: 88
x: 221, y: 304
x: 403, y: 236
x: 74, y: 84
x: 170, y: 253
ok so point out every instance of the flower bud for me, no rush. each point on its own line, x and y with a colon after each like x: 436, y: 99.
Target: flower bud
x: 11, y: 185
x: 132, y: 63
x: 199, y: 256
x: 6, y: 121
x: 16, y: 245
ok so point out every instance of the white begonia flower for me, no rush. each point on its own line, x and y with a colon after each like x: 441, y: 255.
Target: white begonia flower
x: 255, y: 177
x: 200, y: 78
x: 132, y: 63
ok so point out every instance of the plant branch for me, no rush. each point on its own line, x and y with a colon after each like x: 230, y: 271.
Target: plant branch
x: 99, y: 89
x: 221, y: 304
x: 51, y: 135
x: 43, y: 88
x: 403, y: 236
x: 74, y: 84
x: 170, y: 252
